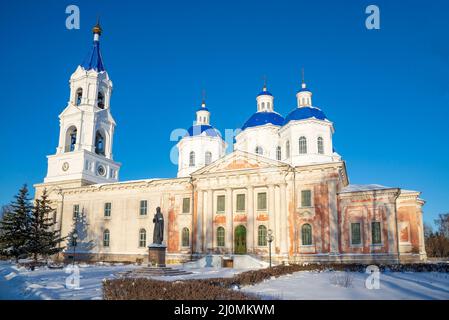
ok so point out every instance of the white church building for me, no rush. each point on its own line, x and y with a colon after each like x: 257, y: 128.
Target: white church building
x: 283, y: 178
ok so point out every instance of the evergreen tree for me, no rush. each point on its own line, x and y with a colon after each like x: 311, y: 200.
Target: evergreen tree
x: 15, y: 226
x: 44, y: 238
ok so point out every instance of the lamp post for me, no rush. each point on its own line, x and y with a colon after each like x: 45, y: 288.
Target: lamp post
x: 74, y: 237
x: 270, y: 239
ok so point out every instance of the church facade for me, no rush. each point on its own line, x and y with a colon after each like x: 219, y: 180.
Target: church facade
x: 283, y: 178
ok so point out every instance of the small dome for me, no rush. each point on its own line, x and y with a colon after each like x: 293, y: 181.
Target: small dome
x: 264, y: 93
x: 262, y: 118
x: 202, y: 109
x: 197, y: 130
x: 305, y: 113
x: 304, y: 90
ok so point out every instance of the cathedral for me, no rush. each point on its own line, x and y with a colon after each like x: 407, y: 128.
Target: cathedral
x: 283, y: 187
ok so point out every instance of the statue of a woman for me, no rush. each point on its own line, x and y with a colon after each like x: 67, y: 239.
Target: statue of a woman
x: 158, y: 232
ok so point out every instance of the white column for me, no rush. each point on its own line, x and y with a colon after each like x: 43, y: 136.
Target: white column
x: 277, y: 219
x: 333, y: 217
x: 229, y: 223
x: 284, y: 217
x: 209, y: 221
x: 251, y: 220
x: 199, y: 223
x: 271, y: 207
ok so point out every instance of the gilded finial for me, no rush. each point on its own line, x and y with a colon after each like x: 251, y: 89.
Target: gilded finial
x: 203, y: 103
x: 97, y: 28
x: 264, y: 83
x: 303, y: 81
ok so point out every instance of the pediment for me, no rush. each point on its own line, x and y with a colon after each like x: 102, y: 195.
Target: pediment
x: 239, y: 160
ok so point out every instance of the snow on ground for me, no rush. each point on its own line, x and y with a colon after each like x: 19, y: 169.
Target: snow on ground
x: 48, y: 284
x: 327, y: 285
x: 44, y: 283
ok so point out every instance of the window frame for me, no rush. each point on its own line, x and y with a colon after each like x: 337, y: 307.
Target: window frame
x: 108, y: 233
x: 302, y: 235
x: 75, y: 211
x: 142, y: 240
x: 184, y: 205
x: 380, y: 243
x: 309, y: 191
x: 320, y: 145
x: 221, y: 238
x: 143, y: 207
x: 351, y: 240
x: 262, y: 233
x: 279, y: 153
x: 220, y: 196
x: 302, y: 145
x: 185, y: 240
x: 266, y: 201
x: 192, y: 159
x: 107, y: 210
x: 240, y: 195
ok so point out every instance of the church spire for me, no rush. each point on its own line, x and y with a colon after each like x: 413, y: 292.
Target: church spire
x: 93, y: 60
x: 203, y: 114
x: 304, y: 95
x: 265, y: 99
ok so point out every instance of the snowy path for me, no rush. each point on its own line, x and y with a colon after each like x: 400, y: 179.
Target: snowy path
x: 320, y: 286
x: 47, y: 283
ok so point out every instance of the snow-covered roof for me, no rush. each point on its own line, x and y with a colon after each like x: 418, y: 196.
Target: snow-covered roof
x: 363, y: 187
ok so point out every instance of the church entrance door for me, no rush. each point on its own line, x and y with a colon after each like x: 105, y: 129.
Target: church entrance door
x: 240, y: 240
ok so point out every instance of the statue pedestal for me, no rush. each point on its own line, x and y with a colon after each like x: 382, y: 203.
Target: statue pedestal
x: 156, y: 256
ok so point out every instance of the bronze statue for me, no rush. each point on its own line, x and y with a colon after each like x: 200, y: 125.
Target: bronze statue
x: 158, y: 232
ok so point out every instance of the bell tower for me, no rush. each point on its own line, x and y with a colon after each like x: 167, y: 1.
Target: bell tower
x: 84, y: 152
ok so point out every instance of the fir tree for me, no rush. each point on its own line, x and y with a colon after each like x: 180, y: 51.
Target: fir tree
x: 44, y: 238
x: 15, y: 226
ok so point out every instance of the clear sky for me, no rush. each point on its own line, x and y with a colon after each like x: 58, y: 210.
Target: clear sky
x: 387, y: 90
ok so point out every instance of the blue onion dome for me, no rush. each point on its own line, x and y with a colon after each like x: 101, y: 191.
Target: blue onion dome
x: 264, y: 93
x: 202, y: 129
x: 305, y: 113
x: 263, y: 118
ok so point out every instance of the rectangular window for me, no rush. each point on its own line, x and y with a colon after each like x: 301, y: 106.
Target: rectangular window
x: 107, y: 209
x: 306, y: 198
x: 220, y: 204
x: 186, y: 205
x: 143, y: 207
x: 262, y: 201
x: 240, y: 202
x: 356, y: 237
x: 76, y: 211
x: 376, y: 232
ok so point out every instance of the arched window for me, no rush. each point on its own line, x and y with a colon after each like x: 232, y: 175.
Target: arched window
x: 106, y: 238
x: 100, y: 100
x: 70, y: 139
x: 268, y: 106
x: 262, y: 236
x: 220, y: 237
x: 306, y: 234
x: 263, y: 106
x: 99, y: 144
x: 78, y: 96
x: 320, y: 145
x: 185, y: 237
x: 259, y: 150
x: 287, y: 149
x: 279, y: 153
x: 192, y: 159
x: 207, y: 158
x: 142, y: 238
x: 302, y: 145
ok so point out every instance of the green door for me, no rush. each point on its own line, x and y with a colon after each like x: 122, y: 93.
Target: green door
x: 240, y: 240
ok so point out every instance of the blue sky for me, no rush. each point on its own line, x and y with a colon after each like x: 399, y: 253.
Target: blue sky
x: 387, y: 91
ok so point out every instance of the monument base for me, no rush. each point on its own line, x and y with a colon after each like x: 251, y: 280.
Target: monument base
x: 156, y: 256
